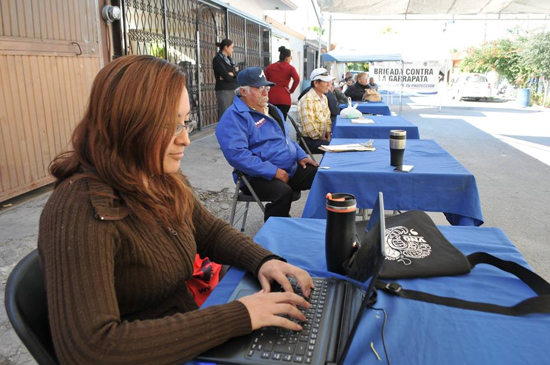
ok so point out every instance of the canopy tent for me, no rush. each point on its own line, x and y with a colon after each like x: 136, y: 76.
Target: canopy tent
x: 415, y: 7
x: 352, y: 55
x: 340, y: 55
x: 409, y: 9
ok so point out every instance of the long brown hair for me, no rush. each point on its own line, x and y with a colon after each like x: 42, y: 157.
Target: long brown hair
x: 121, y: 140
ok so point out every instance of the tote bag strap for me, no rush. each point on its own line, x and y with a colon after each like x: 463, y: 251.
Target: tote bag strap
x: 538, y: 304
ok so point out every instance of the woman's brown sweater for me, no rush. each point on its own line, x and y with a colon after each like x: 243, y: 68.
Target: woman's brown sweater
x: 116, y: 287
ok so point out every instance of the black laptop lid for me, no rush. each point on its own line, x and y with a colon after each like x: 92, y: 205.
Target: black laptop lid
x: 369, y: 262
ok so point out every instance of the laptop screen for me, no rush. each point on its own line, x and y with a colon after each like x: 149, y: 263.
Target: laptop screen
x: 373, y: 265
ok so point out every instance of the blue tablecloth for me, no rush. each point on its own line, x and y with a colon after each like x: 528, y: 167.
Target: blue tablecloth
x: 345, y: 128
x: 370, y: 107
x: 438, y: 182
x: 423, y: 333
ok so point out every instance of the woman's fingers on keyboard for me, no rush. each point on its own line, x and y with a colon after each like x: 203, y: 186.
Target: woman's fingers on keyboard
x: 278, y: 270
x: 285, y: 323
x: 292, y: 311
x: 264, y: 282
x: 305, y: 281
x: 265, y: 308
x: 284, y: 282
x: 291, y: 298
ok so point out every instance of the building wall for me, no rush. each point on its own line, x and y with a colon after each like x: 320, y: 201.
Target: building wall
x: 251, y: 8
x: 49, y: 55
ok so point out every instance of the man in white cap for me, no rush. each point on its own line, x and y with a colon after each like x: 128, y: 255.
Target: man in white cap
x: 314, y: 111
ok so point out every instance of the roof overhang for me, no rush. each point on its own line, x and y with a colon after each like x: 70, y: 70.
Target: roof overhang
x: 277, y: 4
x: 415, y: 7
x: 358, y: 56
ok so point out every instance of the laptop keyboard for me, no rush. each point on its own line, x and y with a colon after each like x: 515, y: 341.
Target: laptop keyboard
x: 281, y: 344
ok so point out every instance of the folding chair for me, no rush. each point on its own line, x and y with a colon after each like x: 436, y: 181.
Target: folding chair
x: 240, y: 196
x: 27, y: 310
x: 300, y: 137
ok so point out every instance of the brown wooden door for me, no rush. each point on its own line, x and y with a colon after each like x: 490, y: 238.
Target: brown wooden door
x: 50, y: 53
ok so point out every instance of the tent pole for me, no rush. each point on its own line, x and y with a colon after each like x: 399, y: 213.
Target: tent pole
x: 401, y: 94
x: 443, y: 86
x: 329, y: 33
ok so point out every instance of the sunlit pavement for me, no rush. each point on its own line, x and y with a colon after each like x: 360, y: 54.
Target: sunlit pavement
x: 507, y: 148
x: 526, y: 129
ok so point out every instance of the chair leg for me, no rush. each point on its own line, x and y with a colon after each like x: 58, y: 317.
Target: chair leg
x: 245, y: 214
x: 307, y: 149
x: 254, y: 194
x: 234, y: 206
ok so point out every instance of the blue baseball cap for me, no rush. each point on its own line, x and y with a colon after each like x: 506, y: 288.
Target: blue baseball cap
x: 253, y: 76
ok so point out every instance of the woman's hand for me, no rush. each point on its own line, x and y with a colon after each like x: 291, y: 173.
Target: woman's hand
x: 265, y: 309
x: 278, y: 270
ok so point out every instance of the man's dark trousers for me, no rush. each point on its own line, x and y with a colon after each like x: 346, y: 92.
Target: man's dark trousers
x: 314, y: 144
x: 279, y: 193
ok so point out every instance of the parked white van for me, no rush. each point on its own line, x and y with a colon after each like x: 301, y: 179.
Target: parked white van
x: 471, y: 86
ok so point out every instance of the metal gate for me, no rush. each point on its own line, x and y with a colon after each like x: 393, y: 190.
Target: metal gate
x: 185, y: 32
x: 211, y: 29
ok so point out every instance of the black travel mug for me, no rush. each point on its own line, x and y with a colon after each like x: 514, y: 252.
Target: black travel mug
x: 398, y: 140
x: 340, y: 233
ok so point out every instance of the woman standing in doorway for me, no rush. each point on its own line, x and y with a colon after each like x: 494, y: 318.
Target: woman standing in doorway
x: 281, y: 73
x: 225, y: 71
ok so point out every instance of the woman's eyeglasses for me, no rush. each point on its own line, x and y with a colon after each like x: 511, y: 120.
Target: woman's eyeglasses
x: 188, y: 125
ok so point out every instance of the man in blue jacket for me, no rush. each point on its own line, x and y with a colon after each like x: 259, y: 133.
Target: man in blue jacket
x: 254, y: 139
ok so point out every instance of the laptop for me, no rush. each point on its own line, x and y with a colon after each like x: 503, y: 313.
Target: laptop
x: 333, y: 318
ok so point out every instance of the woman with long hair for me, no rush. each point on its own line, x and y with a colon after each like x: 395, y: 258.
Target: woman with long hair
x: 225, y: 71
x: 281, y: 73
x: 119, y: 233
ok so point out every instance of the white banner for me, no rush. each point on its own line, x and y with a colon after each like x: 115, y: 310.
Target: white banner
x: 416, y: 76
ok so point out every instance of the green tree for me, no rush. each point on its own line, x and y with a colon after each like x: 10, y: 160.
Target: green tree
x: 506, y: 59
x: 474, y: 60
x: 158, y: 50
x: 358, y: 66
x: 388, y: 30
x: 318, y: 30
x: 502, y: 56
x: 536, y: 57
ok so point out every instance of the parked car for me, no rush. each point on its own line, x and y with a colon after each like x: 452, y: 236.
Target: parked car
x: 471, y: 86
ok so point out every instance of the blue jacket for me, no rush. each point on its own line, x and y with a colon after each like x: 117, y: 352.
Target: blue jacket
x: 256, y: 144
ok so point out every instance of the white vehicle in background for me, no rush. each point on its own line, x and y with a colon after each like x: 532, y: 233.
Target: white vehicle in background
x: 471, y: 86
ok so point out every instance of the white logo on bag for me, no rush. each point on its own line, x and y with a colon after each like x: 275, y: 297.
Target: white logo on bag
x: 403, y: 245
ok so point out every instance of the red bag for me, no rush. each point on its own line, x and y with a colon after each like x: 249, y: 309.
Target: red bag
x: 206, y: 275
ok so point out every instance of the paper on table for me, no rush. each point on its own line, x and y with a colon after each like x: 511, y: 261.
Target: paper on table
x: 362, y: 121
x: 346, y: 148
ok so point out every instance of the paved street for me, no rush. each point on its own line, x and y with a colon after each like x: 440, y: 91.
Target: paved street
x: 506, y: 147
x: 508, y: 150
